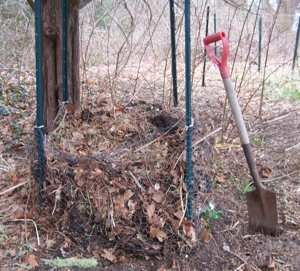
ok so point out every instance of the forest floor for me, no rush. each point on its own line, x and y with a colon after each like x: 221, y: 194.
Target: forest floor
x: 115, y: 196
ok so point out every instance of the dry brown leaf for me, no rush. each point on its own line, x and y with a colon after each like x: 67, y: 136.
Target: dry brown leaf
x: 127, y: 195
x: 175, y: 265
x: 270, y: 264
x: 178, y: 214
x: 97, y: 172
x: 163, y: 268
x: 71, y: 109
x: 119, y: 110
x: 120, y: 204
x: 158, y: 196
x: 32, y: 260
x: 14, y: 178
x: 221, y: 179
x: 205, y: 235
x: 265, y: 172
x: 50, y: 243
x: 108, y: 255
x: 22, y: 213
x: 189, y: 230
x: 121, y: 199
x: 150, y: 209
x: 158, y: 234
x: 77, y: 136
x: 158, y: 221
x: 132, y: 206
x: 123, y: 259
x: 174, y: 223
x: 247, y: 267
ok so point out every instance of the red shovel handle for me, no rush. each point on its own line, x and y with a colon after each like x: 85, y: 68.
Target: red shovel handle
x: 222, y: 61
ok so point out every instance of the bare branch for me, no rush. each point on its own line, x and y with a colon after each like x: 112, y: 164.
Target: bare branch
x: 31, y: 4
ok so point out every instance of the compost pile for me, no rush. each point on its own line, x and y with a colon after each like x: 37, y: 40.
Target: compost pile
x: 117, y: 176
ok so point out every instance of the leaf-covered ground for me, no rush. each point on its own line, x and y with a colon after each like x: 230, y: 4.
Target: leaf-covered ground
x: 115, y: 194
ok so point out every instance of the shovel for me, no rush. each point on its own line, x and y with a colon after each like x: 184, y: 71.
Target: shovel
x: 261, y: 203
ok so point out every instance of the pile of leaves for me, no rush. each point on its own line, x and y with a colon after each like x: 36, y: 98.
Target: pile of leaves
x: 117, y: 175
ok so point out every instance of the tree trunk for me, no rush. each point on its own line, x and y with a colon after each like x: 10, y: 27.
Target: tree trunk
x: 52, y: 57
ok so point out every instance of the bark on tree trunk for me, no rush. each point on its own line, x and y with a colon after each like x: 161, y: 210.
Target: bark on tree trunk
x: 52, y: 55
x: 74, y: 58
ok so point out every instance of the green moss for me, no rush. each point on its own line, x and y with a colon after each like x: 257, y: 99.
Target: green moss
x: 258, y: 141
x: 71, y: 262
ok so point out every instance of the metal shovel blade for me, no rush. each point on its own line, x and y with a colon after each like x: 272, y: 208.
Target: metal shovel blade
x: 262, y: 211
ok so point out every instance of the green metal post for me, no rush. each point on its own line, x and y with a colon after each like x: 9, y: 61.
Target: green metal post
x: 206, y: 33
x: 39, y: 128
x: 173, y: 48
x: 65, y: 15
x: 188, y: 110
x: 296, y: 46
x: 259, y: 43
x: 215, y: 30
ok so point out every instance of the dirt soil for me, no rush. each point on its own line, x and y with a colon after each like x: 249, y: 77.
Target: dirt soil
x: 115, y: 189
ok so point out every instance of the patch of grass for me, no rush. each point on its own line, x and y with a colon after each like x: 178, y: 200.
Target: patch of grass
x: 292, y: 94
x: 247, y: 188
x: 244, y: 187
x: 284, y: 90
x: 258, y: 141
x: 72, y: 262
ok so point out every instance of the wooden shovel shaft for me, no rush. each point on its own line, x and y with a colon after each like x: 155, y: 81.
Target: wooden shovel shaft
x: 236, y: 111
x: 238, y: 117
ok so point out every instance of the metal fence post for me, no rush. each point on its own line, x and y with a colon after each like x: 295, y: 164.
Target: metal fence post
x: 296, y: 46
x: 206, y: 33
x: 173, y: 48
x: 188, y: 110
x: 259, y: 43
x: 39, y: 125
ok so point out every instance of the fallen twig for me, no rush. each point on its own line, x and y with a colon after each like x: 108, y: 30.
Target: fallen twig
x: 197, y: 143
x: 183, y: 205
x: 239, y: 257
x: 240, y: 267
x: 136, y: 181
x: 277, y: 118
x: 231, y: 227
x: 292, y: 147
x: 157, y: 138
x: 12, y: 188
x: 280, y: 177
